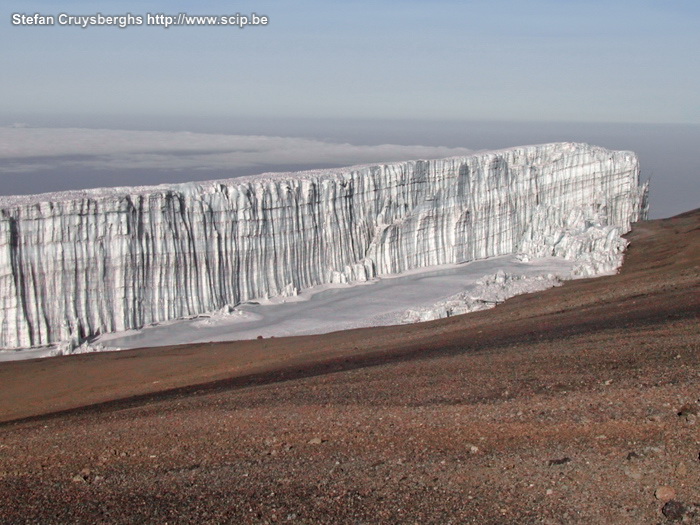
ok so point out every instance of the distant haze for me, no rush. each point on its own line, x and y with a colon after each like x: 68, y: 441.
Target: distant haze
x: 46, y: 160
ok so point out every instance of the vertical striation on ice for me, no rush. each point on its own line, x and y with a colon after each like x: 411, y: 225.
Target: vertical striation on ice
x: 78, y: 264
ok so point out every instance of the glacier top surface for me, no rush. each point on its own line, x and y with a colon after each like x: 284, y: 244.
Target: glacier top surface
x: 10, y: 201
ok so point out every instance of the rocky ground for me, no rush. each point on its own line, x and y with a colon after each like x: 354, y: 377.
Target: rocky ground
x: 574, y: 405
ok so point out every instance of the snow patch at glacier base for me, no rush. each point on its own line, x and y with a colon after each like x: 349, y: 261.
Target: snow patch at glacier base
x: 490, y: 291
x: 328, y: 308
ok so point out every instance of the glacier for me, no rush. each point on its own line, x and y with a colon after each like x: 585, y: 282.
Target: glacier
x: 74, y: 265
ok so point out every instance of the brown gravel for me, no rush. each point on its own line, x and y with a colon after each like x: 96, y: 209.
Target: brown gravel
x: 572, y: 405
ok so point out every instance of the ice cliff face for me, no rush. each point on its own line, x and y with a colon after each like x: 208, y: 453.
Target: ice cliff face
x: 77, y: 264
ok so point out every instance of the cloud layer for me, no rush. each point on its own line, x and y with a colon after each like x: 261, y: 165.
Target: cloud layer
x: 25, y: 150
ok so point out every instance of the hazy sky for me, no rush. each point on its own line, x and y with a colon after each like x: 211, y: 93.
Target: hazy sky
x: 551, y: 60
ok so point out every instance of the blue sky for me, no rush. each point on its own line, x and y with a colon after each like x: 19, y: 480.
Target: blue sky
x: 585, y: 61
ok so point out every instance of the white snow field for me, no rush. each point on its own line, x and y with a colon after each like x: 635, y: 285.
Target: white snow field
x: 75, y: 265
x: 413, y: 296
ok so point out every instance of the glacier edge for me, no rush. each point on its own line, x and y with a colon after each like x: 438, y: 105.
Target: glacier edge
x: 77, y: 264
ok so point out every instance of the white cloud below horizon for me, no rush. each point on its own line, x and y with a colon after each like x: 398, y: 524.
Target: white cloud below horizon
x: 24, y: 149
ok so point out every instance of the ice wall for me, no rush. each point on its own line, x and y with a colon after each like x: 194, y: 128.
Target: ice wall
x: 77, y: 264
